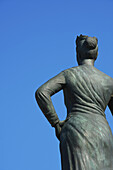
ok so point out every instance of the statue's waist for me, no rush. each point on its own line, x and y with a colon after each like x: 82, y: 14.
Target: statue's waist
x: 93, y: 109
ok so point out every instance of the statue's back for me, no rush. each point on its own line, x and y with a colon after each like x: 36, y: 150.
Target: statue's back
x: 86, y: 138
x: 86, y: 86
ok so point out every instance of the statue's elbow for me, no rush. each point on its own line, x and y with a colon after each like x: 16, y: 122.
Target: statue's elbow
x: 38, y: 93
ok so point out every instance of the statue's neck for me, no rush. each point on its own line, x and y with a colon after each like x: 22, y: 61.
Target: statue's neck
x: 87, y: 62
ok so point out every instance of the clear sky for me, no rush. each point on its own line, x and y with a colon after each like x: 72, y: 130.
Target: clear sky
x: 37, y: 41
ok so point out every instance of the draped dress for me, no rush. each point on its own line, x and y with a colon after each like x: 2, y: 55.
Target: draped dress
x: 86, y: 140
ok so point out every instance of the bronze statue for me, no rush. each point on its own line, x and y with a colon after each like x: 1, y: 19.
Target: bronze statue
x: 86, y: 141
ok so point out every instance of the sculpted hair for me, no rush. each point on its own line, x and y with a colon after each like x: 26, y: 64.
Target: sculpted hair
x: 87, y: 47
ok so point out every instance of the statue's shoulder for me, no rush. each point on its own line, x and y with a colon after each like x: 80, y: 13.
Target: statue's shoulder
x: 72, y: 69
x: 104, y: 76
x: 70, y: 72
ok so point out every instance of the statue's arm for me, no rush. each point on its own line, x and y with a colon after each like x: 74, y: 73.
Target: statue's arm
x: 110, y: 104
x: 43, y: 97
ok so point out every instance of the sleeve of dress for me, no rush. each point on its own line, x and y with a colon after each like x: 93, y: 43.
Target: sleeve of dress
x: 43, y: 97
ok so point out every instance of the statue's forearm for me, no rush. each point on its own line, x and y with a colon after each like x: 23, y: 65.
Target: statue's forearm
x: 44, y: 101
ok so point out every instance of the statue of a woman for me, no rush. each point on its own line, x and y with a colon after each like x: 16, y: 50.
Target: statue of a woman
x: 86, y: 141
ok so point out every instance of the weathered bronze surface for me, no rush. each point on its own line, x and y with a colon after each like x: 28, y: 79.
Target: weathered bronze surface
x: 86, y: 141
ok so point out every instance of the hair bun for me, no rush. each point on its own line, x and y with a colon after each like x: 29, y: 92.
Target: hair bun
x: 91, y: 42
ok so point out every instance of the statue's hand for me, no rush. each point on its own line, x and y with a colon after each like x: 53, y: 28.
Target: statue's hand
x: 58, y: 128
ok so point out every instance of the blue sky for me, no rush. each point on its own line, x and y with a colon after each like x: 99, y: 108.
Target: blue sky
x: 37, y: 41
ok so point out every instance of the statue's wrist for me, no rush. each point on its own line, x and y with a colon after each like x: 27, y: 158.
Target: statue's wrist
x: 57, y: 125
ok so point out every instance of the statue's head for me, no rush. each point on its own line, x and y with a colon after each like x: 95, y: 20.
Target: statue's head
x: 86, y: 48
